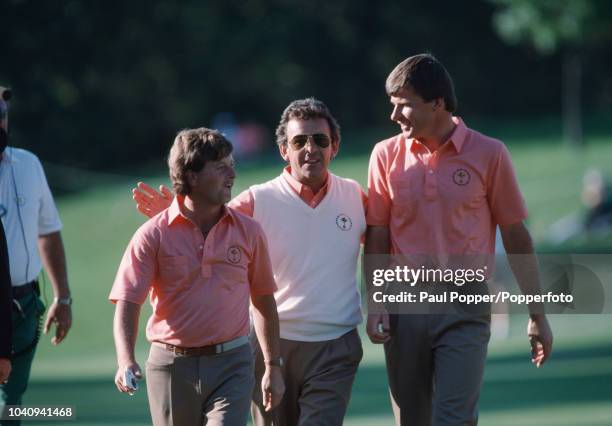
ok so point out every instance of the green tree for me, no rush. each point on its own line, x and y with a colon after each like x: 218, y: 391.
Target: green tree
x: 568, y: 27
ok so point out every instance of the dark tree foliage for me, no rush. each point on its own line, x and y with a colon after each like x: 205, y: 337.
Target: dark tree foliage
x: 107, y: 84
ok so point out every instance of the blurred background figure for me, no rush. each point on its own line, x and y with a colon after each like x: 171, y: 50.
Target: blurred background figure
x: 227, y: 124
x: 597, y: 197
x: 249, y: 138
x: 595, y: 222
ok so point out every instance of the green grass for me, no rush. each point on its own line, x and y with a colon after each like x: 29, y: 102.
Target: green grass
x: 574, y: 389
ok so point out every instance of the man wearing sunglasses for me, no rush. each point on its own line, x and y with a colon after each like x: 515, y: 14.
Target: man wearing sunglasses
x: 32, y: 227
x: 314, y: 222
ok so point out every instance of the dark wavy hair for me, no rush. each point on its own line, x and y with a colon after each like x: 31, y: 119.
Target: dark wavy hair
x: 306, y: 109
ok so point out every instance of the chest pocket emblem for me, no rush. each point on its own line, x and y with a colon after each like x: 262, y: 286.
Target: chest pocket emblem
x: 234, y: 255
x: 461, y: 177
x: 344, y: 222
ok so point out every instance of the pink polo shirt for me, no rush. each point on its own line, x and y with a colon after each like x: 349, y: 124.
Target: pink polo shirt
x: 199, y: 289
x: 445, y: 202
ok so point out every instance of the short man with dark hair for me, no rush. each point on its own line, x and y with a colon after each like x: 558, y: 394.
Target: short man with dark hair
x: 314, y: 222
x: 440, y: 189
x: 199, y: 262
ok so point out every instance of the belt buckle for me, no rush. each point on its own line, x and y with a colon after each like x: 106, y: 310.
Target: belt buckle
x: 176, y: 350
x: 219, y: 348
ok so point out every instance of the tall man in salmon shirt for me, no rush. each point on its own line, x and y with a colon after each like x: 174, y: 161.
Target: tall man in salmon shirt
x: 436, y: 189
x: 314, y: 222
x: 200, y: 262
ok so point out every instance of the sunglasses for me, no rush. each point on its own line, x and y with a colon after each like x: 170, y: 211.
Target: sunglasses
x: 320, y: 139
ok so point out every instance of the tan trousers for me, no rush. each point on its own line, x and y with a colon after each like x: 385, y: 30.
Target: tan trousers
x: 193, y: 391
x: 318, y: 379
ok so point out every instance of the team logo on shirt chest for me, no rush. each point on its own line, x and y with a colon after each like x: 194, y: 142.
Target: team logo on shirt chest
x: 344, y: 222
x: 234, y: 255
x: 461, y: 177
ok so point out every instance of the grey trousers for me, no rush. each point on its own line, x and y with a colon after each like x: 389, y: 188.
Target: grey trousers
x: 435, y: 365
x: 194, y: 391
x: 318, y: 378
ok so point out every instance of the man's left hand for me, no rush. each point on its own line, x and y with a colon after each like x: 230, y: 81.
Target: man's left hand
x: 540, y: 337
x: 61, y: 315
x: 272, y: 387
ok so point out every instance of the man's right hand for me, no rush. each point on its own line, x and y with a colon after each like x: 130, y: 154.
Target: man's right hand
x: 149, y: 202
x: 119, y: 376
x: 378, y: 328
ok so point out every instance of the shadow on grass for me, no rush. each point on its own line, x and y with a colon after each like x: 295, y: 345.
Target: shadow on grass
x: 97, y: 401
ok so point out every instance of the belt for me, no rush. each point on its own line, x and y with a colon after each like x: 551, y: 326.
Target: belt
x: 24, y: 290
x: 205, y: 350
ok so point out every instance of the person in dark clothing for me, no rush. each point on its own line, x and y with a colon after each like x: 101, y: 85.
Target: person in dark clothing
x: 5, y: 310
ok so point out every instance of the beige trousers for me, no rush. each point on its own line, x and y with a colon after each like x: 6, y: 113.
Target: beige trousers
x: 318, y: 379
x: 206, y: 390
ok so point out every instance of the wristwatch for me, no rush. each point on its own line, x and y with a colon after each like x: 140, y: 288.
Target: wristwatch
x: 63, y: 300
x: 279, y: 362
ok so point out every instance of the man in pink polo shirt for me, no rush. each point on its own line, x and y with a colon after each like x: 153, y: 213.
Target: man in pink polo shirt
x: 314, y: 222
x: 440, y: 189
x: 199, y: 262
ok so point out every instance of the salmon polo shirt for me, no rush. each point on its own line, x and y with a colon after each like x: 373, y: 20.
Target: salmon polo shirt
x: 199, y: 288
x: 445, y: 202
